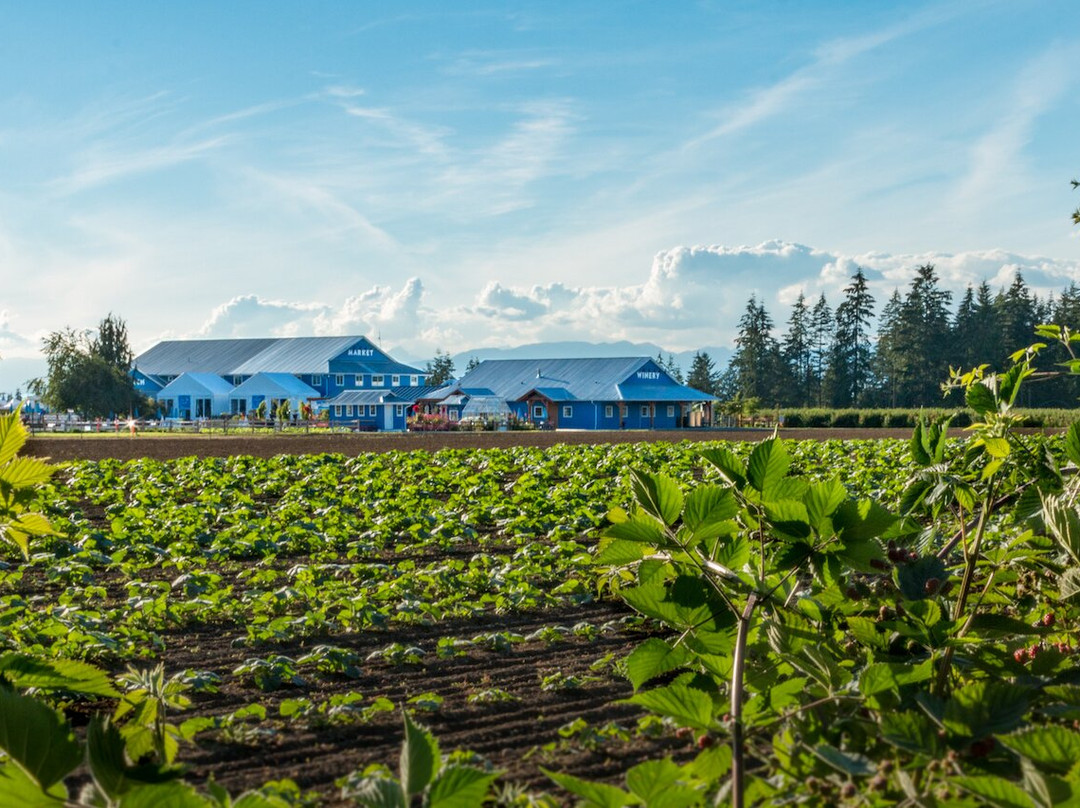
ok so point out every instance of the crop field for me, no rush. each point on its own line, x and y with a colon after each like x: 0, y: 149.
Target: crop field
x: 299, y: 604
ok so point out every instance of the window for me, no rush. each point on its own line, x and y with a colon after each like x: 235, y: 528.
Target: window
x: 413, y: 381
x: 316, y: 381
x: 670, y: 410
x: 452, y: 415
x: 395, y: 381
x: 339, y: 380
x: 371, y: 410
x: 567, y: 411
x: 609, y: 411
x: 337, y: 410
x: 538, y: 411
x: 237, y: 381
x: 644, y: 410
x: 399, y: 410
x: 377, y: 381
x: 623, y: 410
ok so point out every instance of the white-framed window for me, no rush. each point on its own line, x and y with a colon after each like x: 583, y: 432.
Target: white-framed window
x: 644, y: 410
x: 609, y: 411
x: 371, y: 410
x: 452, y: 415
x: 567, y: 411
x: 395, y: 381
x: 414, y: 381
x: 377, y: 381
x: 538, y: 411
x: 337, y: 410
x: 316, y: 381
x: 399, y: 410
x: 237, y: 381
x: 670, y: 410
x: 339, y: 380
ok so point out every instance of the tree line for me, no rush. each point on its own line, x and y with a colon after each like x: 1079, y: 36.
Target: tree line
x: 834, y: 357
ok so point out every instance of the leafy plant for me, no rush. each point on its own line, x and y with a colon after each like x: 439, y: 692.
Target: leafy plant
x: 19, y: 479
x: 423, y: 776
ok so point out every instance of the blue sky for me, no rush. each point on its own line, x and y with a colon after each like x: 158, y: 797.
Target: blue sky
x: 460, y: 175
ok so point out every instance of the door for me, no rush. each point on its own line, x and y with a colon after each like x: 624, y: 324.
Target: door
x: 388, y: 416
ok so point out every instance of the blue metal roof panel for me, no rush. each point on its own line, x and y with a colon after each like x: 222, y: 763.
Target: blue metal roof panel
x: 275, y: 384
x: 661, y: 392
x: 220, y: 356
x: 556, y: 393
x: 209, y: 383
x: 350, y: 397
x: 297, y: 355
x: 594, y: 379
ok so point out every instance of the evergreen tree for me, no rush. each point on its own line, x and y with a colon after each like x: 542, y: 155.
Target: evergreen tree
x: 796, y: 350
x: 851, y: 369
x: 673, y: 369
x: 821, y: 338
x: 703, y: 375
x: 756, y: 361
x: 1016, y: 315
x: 472, y: 364
x: 440, y: 370
x: 922, y: 341
x: 888, y: 361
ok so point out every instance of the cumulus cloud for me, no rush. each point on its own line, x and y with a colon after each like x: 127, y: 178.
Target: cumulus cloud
x: 10, y: 340
x: 689, y: 297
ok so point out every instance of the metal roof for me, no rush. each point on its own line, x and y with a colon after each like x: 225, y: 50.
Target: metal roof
x: 209, y: 383
x: 350, y: 397
x: 552, y: 393
x: 280, y: 385
x: 415, y: 393
x: 585, y: 379
x: 297, y: 355
x: 246, y: 357
x: 661, y: 392
x: 220, y: 356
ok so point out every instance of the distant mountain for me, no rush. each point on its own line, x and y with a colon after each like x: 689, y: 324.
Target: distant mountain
x: 574, y: 350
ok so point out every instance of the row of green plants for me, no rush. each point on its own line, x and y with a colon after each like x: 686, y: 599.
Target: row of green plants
x: 848, y: 623
x: 817, y: 418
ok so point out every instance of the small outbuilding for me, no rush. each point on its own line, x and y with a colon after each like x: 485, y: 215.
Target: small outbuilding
x: 192, y: 396
x: 273, y: 389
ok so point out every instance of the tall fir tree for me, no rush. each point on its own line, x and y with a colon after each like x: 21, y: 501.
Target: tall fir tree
x: 850, y: 368
x: 821, y: 338
x: 756, y: 361
x: 889, y: 359
x: 796, y: 351
x: 703, y: 375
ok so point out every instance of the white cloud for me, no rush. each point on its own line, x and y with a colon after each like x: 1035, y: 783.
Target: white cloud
x: 690, y: 297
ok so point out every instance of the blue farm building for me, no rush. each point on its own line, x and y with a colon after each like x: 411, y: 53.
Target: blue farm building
x: 216, y: 377
x: 357, y: 384
x: 626, y: 393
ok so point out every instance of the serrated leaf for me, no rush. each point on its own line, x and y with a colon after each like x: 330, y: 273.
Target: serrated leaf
x: 16, y: 788
x: 917, y: 445
x: 23, y: 472
x: 844, y: 762
x: 1069, y: 583
x: 910, y: 731
x: 708, y: 511
x: 1072, y: 443
x: 655, y: 783
x: 657, y: 495
x: 985, y: 708
x: 460, y: 787
x: 595, y: 795
x: 419, y: 758
x: 981, y: 398
x: 12, y: 436
x: 822, y: 499
x: 37, y: 739
x: 378, y: 793
x: 653, y: 658
x: 789, y: 518
x: 997, y: 447
x: 617, y: 552
x: 729, y: 465
x: 861, y: 520
x: 769, y: 463
x: 639, y: 528
x: 996, y: 791
x: 1052, y: 747
x: 166, y: 795
x: 56, y: 674
x: 688, y: 706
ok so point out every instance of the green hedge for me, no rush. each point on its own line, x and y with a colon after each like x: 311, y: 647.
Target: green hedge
x: 817, y: 418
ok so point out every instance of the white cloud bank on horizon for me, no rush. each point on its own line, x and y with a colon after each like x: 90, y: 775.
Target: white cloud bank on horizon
x: 691, y: 297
